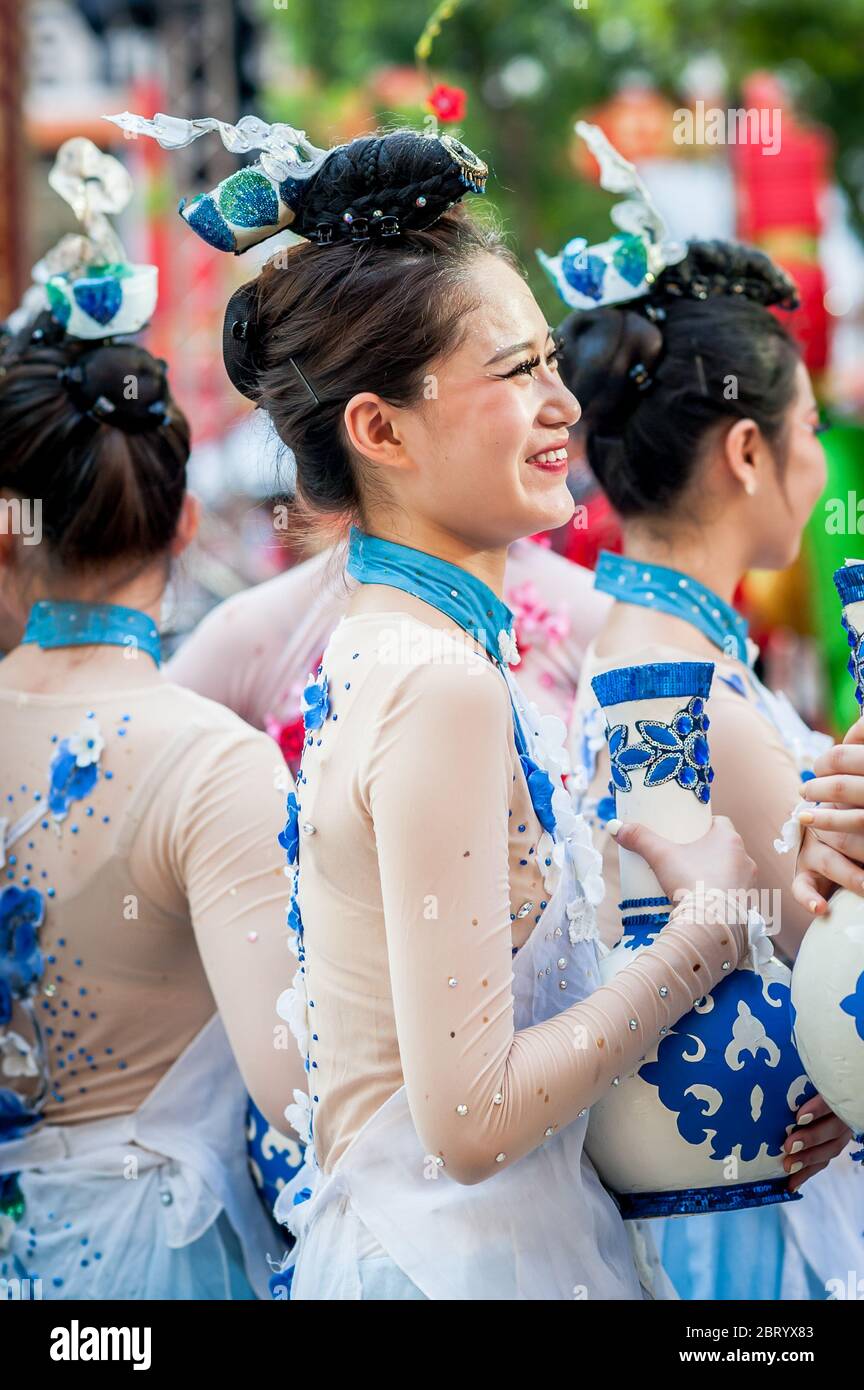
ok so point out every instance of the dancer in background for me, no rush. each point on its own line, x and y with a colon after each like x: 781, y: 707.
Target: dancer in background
x: 701, y: 427
x: 143, y: 893
x: 254, y: 652
x: 444, y: 936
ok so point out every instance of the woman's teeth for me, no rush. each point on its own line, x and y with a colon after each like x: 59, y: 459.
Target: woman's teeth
x: 551, y: 456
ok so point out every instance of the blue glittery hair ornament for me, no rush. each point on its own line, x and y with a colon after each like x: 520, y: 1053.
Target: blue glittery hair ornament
x: 627, y: 264
x: 282, y: 190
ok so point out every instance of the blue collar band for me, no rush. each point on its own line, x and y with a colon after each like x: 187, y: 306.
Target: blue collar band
x: 68, y: 623
x: 669, y: 591
x: 471, y: 604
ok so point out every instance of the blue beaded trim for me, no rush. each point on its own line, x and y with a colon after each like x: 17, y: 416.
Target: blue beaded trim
x: 655, y: 681
x: 669, y: 591
x: 68, y: 623
x: 694, y: 1201
x: 643, y: 902
x: 646, y: 919
x: 849, y: 582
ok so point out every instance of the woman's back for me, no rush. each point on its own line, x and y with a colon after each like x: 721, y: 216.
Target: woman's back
x: 142, y: 821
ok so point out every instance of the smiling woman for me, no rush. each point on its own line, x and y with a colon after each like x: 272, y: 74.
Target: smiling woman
x: 447, y: 1002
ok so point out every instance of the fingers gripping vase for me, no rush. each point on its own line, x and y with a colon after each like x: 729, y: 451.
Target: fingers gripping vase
x: 828, y: 976
x: 699, y: 1124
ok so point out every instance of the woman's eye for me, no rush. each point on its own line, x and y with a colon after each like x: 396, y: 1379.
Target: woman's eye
x: 528, y: 367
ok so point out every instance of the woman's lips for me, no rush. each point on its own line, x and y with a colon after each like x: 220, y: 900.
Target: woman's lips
x: 550, y: 460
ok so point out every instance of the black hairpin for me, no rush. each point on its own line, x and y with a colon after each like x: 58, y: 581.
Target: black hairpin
x: 304, y: 380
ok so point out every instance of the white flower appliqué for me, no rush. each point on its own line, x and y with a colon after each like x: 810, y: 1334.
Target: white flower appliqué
x: 759, y: 938
x: 87, y: 743
x: 507, y: 649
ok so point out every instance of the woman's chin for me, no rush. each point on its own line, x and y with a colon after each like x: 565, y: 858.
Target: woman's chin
x: 552, y: 509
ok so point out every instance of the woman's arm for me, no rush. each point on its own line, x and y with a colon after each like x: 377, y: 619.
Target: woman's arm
x: 439, y: 783
x: 226, y: 855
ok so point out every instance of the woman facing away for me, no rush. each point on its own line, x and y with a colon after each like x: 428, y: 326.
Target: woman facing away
x: 143, y: 891
x: 702, y: 428
x: 447, y: 1002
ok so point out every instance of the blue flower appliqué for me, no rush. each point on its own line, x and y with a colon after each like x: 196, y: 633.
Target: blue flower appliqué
x: 540, y: 790
x: 677, y: 750
x: 739, y: 1049
x: 22, y: 911
x: 315, y: 704
x: 69, y: 780
x: 853, y: 1005
x: 15, y: 1116
x: 289, y: 838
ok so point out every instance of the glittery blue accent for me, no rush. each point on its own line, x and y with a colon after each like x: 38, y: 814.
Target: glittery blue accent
x: 630, y: 257
x: 643, y: 902
x: 99, y: 296
x: 205, y: 218
x: 671, y: 591
x: 291, y: 192
x: 248, y: 199
x: 653, y: 681
x: 849, y: 582
x: 582, y: 270
x: 692, y: 1201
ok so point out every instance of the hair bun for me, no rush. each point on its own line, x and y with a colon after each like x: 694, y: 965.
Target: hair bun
x: 382, y: 185
x: 239, y: 339
x: 725, y: 267
x: 119, y: 384
x: 609, y: 356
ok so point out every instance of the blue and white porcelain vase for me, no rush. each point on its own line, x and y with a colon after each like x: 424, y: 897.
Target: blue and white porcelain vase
x: 699, y: 1124
x: 828, y: 976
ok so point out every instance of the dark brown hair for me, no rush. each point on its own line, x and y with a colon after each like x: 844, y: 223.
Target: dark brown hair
x: 367, y: 317
x: 109, y: 491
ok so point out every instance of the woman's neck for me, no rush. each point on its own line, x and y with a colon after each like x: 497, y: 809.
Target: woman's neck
x: 716, y: 561
x: 88, y: 666
x: 486, y: 564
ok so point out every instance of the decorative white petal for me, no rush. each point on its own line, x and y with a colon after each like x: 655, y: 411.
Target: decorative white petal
x: 759, y: 938
x: 299, y: 1116
x: 792, y: 831
x: 507, y: 649
x: 17, y: 1057
x: 78, y: 743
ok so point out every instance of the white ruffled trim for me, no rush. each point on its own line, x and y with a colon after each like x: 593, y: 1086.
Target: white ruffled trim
x: 17, y: 1057
x: 792, y: 831
x: 507, y: 648
x: 299, y: 1117
x: 291, y: 1006
x: 759, y: 938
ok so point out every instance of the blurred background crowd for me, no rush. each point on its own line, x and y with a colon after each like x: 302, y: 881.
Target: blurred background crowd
x: 512, y: 76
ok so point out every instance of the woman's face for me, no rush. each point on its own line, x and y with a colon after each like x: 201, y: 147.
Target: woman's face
x: 794, y: 486
x: 486, y: 448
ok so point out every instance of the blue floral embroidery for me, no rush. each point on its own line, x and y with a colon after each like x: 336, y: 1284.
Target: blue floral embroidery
x: 624, y: 757
x: 69, y: 782
x: 856, y: 658
x: 5, y: 1003
x: 540, y: 790
x: 853, y: 1005
x: 15, y: 1117
x: 21, y: 914
x: 739, y: 1049
x: 676, y: 750
x: 289, y: 838
x: 315, y: 703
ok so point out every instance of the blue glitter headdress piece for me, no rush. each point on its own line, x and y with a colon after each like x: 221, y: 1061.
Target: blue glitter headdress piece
x: 86, y: 281
x: 271, y: 195
x: 625, y: 266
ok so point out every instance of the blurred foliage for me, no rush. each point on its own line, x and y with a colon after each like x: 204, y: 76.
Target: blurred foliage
x: 531, y: 66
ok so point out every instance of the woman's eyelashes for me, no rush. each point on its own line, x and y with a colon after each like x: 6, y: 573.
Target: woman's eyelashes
x: 529, y: 367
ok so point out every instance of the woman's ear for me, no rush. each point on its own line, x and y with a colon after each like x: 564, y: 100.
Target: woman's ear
x: 372, y: 426
x: 187, y: 524
x: 743, y: 449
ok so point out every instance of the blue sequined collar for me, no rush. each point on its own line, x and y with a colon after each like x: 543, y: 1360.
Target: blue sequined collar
x: 669, y: 591
x: 462, y: 596
x: 68, y: 623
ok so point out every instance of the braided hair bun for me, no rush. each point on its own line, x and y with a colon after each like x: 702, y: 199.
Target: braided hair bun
x: 654, y: 375
x: 383, y: 185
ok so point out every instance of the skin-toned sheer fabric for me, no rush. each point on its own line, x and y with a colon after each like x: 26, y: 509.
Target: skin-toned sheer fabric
x: 163, y: 886
x: 419, y: 851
